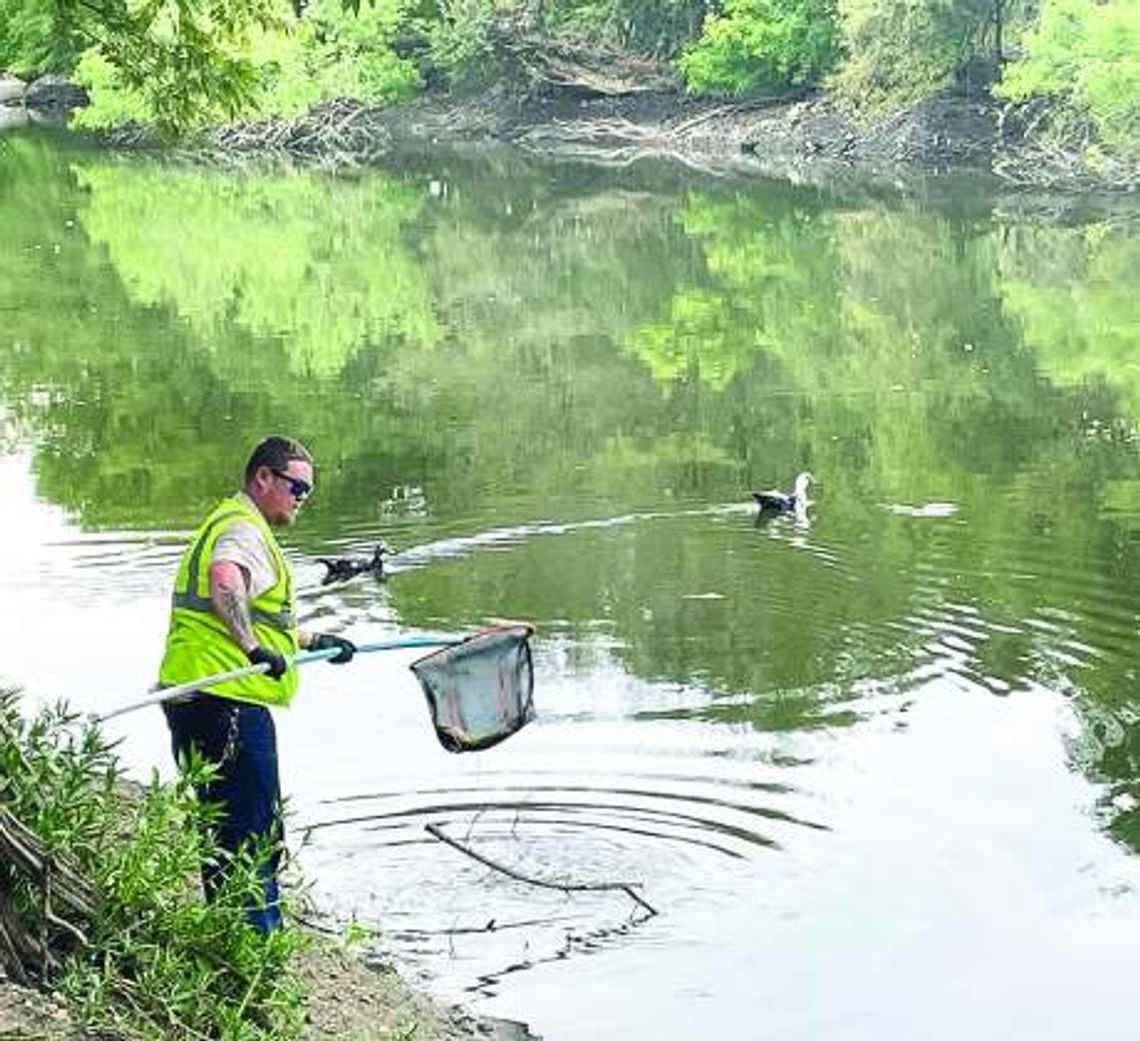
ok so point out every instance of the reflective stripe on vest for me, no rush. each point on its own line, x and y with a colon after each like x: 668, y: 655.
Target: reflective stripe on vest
x: 190, y: 600
x: 196, y: 594
x: 200, y: 644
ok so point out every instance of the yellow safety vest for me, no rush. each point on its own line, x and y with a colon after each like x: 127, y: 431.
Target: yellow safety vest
x: 199, y: 643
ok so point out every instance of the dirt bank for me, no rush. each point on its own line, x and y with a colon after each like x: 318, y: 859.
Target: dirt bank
x: 351, y: 999
x: 948, y: 132
x: 807, y: 136
x: 348, y: 999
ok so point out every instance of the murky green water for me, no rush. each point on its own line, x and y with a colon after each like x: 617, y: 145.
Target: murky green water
x: 879, y: 771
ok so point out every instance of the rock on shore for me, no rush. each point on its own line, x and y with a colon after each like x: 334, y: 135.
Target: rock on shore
x: 12, y: 89
x: 50, y: 96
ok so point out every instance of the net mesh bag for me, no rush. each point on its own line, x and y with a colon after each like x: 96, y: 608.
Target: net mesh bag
x: 481, y: 690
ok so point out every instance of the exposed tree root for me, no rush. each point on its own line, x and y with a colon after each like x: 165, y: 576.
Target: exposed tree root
x: 66, y: 904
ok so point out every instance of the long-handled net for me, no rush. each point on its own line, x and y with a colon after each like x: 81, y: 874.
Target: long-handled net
x: 481, y: 689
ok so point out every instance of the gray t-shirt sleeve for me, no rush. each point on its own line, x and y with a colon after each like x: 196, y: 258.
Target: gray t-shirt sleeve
x: 241, y: 543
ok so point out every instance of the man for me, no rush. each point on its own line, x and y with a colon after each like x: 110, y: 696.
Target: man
x: 233, y: 605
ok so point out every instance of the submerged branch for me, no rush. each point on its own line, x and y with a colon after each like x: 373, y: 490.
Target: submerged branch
x: 567, y: 887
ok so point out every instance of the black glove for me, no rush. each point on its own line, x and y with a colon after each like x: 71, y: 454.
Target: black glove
x: 276, y: 662
x: 327, y: 641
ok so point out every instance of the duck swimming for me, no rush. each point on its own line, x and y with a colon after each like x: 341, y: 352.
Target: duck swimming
x: 774, y: 501
x: 340, y: 569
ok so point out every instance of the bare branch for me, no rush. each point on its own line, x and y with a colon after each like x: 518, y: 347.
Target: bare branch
x: 567, y: 887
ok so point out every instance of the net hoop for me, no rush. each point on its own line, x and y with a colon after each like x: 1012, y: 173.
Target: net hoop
x: 480, y: 690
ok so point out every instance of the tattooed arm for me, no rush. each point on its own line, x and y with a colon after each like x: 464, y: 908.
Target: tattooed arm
x: 229, y: 593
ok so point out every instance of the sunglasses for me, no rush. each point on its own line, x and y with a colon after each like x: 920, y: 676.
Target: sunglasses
x: 298, y: 488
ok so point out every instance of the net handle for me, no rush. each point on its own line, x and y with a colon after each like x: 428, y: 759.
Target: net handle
x: 156, y: 697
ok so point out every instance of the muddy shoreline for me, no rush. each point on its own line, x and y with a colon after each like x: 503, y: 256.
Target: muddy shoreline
x: 805, y: 138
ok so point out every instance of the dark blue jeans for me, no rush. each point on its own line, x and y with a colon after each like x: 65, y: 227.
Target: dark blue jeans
x: 242, y: 740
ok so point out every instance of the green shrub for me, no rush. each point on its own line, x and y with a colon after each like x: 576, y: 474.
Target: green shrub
x: 334, y: 53
x: 462, y: 42
x: 158, y: 961
x: 113, y: 103
x: 659, y: 27
x: 758, y: 44
x: 1085, y: 54
x: 897, y: 52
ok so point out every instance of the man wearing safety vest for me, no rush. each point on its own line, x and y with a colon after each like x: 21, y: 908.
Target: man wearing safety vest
x: 234, y: 605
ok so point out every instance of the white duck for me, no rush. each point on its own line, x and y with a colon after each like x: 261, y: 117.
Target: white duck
x: 775, y: 501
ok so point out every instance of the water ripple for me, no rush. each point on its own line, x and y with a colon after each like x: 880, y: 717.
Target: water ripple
x: 685, y: 817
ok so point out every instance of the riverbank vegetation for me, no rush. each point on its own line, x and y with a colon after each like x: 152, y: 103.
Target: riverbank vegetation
x: 180, y: 64
x: 98, y: 901
x: 103, y: 932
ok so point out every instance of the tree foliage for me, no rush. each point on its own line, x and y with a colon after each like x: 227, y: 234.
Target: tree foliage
x: 899, y: 51
x: 180, y: 64
x: 763, y: 44
x: 462, y: 41
x: 660, y: 27
x: 188, y: 60
x: 38, y: 36
x: 338, y: 53
x: 1085, y: 54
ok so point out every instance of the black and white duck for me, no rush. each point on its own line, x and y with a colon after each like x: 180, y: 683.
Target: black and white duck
x: 340, y: 569
x: 775, y: 501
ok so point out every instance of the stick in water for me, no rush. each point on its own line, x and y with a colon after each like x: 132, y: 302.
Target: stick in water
x: 567, y: 887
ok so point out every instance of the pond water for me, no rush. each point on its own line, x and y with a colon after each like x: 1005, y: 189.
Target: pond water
x: 877, y: 768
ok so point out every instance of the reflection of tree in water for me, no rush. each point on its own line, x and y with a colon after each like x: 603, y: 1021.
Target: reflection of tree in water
x: 115, y: 395
x: 1072, y: 291
x: 306, y: 259
x: 548, y: 345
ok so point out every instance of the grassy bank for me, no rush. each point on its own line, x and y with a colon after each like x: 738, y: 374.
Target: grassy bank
x: 103, y: 932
